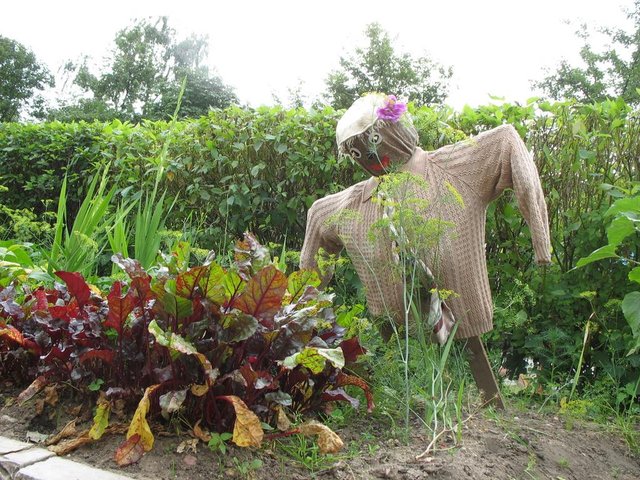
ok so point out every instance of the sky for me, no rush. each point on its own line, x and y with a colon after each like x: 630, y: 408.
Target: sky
x: 261, y: 48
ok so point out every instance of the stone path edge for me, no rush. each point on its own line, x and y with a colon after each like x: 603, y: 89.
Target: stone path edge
x: 27, y: 461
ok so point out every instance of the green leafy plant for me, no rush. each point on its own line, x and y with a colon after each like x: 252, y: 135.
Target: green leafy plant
x: 219, y: 342
x: 77, y: 248
x: 218, y: 442
x: 624, y: 225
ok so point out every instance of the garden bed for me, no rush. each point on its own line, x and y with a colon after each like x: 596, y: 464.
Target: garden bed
x: 513, y: 444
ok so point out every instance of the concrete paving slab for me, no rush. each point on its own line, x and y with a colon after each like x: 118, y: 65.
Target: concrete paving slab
x: 56, y: 468
x: 12, y: 462
x: 8, y: 445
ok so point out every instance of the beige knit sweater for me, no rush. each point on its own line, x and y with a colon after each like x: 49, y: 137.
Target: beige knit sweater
x: 479, y: 169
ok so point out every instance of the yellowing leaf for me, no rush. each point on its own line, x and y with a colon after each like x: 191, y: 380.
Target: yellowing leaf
x: 139, y: 425
x: 100, y: 420
x: 282, y: 421
x: 298, y: 282
x: 328, y: 440
x: 199, y: 390
x: 247, y: 430
x: 315, y: 358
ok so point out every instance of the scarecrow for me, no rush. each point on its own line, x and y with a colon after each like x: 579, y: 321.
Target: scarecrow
x: 444, y: 195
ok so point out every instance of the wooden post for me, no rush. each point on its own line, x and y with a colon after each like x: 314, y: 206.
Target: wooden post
x: 482, y: 373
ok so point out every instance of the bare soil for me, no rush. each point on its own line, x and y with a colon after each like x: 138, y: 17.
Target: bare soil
x: 513, y: 444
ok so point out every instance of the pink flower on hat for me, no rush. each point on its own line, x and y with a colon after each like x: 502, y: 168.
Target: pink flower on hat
x: 392, y: 110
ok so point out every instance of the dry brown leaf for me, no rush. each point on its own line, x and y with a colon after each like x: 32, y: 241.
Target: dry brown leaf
x: 282, y: 421
x: 247, y: 430
x: 69, y: 445
x: 51, y: 395
x: 117, y: 428
x: 67, y: 431
x: 328, y: 440
x: 117, y: 408
x: 188, y: 446
x: 28, y: 393
x: 200, y: 433
x: 38, y: 406
x: 74, y: 411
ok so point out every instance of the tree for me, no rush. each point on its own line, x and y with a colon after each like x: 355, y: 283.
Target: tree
x: 20, y: 76
x: 378, y: 68
x: 144, y: 75
x: 612, y: 72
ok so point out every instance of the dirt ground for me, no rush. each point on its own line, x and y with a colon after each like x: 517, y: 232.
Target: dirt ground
x: 510, y: 445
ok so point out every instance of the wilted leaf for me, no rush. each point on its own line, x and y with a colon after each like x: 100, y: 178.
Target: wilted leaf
x: 67, y: 431
x: 77, y: 286
x: 200, y: 433
x: 100, y: 420
x: 51, y: 395
x: 172, y: 401
x: 262, y: 298
x: 139, y: 425
x: 27, y: 394
x: 130, y: 451
x: 38, y: 406
x: 328, y: 440
x: 282, y: 421
x: 199, y: 390
x: 187, y: 446
x: 63, y: 448
x: 247, y: 430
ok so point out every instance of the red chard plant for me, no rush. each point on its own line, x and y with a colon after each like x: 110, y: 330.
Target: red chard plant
x: 228, y: 347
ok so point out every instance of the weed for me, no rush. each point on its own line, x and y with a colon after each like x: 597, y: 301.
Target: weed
x: 246, y: 468
x: 531, y: 466
x: 218, y: 442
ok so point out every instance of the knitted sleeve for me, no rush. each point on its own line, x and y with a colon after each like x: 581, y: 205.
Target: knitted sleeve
x: 318, y: 238
x: 493, y: 161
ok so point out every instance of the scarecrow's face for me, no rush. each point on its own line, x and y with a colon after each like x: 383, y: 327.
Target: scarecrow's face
x: 369, y: 150
x: 382, y: 147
